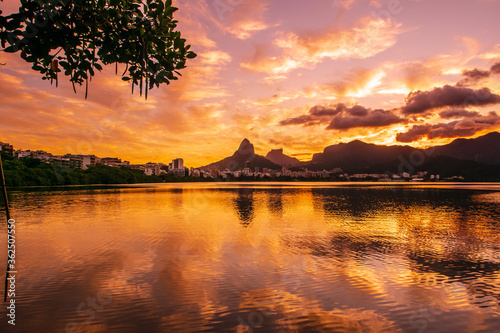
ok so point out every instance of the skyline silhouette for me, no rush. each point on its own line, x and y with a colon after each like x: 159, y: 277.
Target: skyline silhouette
x: 298, y: 76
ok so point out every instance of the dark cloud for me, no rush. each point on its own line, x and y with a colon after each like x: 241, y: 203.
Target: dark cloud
x: 358, y: 111
x: 306, y: 120
x: 452, y: 101
x: 420, y: 102
x: 476, y: 74
x: 414, y: 134
x: 342, y: 117
x: 320, y: 110
x: 372, y: 118
x: 495, y: 69
x: 460, y: 128
x: 473, y: 76
x: 318, y: 115
x: 491, y: 119
x: 458, y: 114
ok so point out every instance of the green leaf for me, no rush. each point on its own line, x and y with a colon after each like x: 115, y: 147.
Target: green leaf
x: 111, y: 31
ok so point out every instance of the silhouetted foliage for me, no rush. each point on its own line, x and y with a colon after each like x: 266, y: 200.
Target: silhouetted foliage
x: 30, y: 172
x: 33, y: 172
x: 77, y: 37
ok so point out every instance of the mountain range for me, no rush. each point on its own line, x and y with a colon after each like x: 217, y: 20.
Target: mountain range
x: 276, y: 156
x: 244, y: 157
x: 464, y: 156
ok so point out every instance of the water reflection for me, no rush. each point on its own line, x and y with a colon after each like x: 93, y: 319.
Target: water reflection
x: 184, y: 258
x: 275, y: 202
x: 243, y: 204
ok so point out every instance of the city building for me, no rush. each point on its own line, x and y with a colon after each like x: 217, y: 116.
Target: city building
x: 151, y: 168
x: 195, y: 172
x: 63, y: 160
x: 22, y: 153
x: 7, y: 148
x: 178, y: 163
x: 82, y: 161
x: 177, y: 168
x: 41, y: 155
x: 113, y: 161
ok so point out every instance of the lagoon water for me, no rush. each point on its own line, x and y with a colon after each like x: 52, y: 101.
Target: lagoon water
x: 257, y: 257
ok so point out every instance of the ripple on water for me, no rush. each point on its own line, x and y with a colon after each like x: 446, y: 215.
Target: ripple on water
x: 194, y: 258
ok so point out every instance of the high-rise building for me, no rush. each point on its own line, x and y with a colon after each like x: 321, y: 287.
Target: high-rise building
x: 178, y: 163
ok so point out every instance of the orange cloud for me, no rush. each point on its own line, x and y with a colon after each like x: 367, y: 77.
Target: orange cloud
x: 246, y: 18
x: 368, y: 38
x: 215, y: 58
x: 493, y: 54
x: 358, y: 82
x: 194, y: 29
x: 245, y: 29
x: 201, y: 80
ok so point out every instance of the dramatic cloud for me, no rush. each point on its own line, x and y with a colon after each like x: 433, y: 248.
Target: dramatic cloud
x: 475, y: 75
x: 420, y: 102
x: 359, y: 116
x: 319, y: 110
x: 341, y: 117
x: 447, y: 114
x: 368, y: 38
x: 306, y: 120
x: 495, y: 69
x: 460, y: 128
x: 260, y: 62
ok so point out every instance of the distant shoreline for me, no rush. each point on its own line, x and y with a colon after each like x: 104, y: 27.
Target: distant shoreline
x: 250, y: 183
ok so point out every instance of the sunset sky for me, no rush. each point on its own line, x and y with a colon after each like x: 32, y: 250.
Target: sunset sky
x: 285, y: 74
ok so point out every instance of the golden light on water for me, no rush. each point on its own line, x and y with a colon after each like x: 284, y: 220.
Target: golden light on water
x: 311, y: 255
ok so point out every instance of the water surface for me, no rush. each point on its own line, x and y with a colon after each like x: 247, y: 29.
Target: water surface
x: 262, y: 257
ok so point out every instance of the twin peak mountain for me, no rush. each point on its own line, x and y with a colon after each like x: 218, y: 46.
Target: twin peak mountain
x: 360, y: 157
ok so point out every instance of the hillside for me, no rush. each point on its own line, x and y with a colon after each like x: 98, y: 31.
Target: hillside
x: 244, y: 154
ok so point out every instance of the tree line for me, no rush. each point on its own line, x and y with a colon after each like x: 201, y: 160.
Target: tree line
x: 33, y: 172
